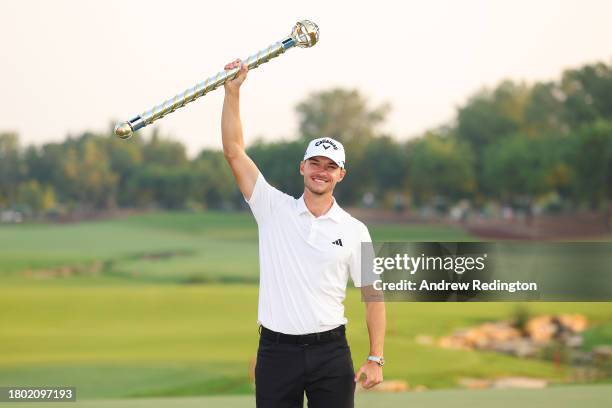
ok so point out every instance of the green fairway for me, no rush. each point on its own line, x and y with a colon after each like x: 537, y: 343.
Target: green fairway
x: 114, y: 341
x: 140, y: 307
x: 154, y: 248
x: 158, y: 248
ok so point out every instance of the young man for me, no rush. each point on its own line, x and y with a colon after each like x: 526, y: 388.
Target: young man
x: 307, y: 248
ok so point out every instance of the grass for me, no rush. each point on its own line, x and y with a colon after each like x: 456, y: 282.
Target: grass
x: 591, y: 396
x: 563, y: 397
x: 157, y: 248
x: 125, y: 320
x: 167, y: 340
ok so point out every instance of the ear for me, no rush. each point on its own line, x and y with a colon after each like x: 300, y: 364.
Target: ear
x: 302, y: 167
x: 342, y: 174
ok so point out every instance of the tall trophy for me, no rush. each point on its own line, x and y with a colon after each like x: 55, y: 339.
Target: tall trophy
x: 305, y: 34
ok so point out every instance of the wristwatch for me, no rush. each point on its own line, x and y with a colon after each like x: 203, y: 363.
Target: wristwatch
x: 378, y: 360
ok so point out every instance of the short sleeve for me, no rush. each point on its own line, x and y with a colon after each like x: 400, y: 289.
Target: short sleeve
x: 263, y: 199
x: 362, y: 252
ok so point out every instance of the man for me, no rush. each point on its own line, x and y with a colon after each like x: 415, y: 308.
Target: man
x: 307, y: 248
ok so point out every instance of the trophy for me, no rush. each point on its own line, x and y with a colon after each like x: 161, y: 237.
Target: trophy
x: 305, y: 34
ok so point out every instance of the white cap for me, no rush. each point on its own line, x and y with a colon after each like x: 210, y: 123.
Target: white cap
x: 328, y: 147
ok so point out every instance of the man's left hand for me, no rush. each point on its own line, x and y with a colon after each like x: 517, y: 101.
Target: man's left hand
x: 372, y: 373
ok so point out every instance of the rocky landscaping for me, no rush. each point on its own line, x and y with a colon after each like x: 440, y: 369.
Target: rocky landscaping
x: 557, y: 338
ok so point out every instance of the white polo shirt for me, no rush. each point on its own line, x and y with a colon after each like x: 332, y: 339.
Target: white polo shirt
x: 304, y: 261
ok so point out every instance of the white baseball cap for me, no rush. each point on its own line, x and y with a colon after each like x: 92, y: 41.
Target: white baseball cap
x: 328, y: 147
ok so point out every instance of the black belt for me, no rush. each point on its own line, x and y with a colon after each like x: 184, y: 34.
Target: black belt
x: 305, y: 339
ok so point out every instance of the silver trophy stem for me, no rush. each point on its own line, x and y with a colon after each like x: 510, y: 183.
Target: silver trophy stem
x: 124, y: 130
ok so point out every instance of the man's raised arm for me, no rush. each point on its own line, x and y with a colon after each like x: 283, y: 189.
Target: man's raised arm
x: 244, y: 169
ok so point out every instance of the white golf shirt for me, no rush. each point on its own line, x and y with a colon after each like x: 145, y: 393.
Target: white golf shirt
x: 304, y: 261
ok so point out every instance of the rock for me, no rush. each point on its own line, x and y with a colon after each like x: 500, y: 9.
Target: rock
x: 501, y: 331
x: 502, y: 337
x: 575, y: 322
x: 603, y: 352
x: 477, y: 337
x: 452, y: 342
x: 544, y: 328
x: 474, y: 383
x: 581, y: 358
x: 517, y: 347
x: 541, y: 329
x: 424, y: 340
x: 574, y: 341
x: 519, y: 382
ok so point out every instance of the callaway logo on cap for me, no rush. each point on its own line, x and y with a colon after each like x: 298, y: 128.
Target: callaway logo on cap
x: 328, y: 147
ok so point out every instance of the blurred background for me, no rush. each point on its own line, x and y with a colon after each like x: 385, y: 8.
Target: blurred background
x: 129, y: 268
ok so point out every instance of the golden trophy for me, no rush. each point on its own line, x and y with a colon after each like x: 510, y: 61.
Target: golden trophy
x: 305, y: 34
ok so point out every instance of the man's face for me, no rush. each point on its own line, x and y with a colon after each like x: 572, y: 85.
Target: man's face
x: 321, y: 174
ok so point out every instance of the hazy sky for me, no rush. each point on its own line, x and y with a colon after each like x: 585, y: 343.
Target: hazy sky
x: 69, y: 66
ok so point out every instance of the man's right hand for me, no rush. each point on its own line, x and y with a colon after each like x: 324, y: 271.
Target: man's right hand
x: 233, y: 86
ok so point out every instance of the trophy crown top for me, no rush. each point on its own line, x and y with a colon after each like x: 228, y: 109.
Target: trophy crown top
x: 305, y: 33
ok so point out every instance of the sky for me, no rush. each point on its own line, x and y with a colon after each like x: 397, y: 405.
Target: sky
x: 68, y: 66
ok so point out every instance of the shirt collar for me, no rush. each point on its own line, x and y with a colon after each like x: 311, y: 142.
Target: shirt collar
x: 334, y: 213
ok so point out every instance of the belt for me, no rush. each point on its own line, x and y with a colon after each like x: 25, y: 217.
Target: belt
x: 304, y: 339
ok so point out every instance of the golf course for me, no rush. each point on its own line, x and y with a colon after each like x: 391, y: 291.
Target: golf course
x: 160, y: 309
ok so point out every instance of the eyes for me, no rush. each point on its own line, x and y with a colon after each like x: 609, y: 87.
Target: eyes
x: 318, y: 165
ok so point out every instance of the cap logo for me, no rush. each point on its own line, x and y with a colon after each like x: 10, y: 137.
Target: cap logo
x: 326, y: 144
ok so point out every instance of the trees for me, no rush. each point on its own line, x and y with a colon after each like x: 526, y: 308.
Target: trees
x: 11, y: 168
x: 387, y: 163
x: 166, y: 187
x: 587, y: 93
x: 213, y: 183
x: 545, y: 112
x: 440, y: 167
x: 490, y: 116
x: 125, y: 161
x: 279, y: 162
x: 87, y: 172
x: 513, y: 144
x: 36, y: 198
x: 345, y: 115
x: 342, y: 114
x: 591, y: 159
x: 518, y: 169
x: 164, y: 152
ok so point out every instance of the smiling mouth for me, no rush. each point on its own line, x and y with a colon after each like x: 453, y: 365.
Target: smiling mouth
x: 318, y: 180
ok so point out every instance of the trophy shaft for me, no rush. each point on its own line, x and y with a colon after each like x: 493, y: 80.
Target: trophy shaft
x: 210, y: 84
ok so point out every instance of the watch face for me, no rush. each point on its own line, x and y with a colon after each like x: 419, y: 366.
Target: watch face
x: 381, y: 362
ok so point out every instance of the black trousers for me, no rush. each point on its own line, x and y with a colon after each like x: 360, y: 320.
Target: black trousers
x: 323, y: 370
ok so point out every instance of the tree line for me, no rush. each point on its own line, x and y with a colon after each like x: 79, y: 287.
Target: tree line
x: 520, y: 145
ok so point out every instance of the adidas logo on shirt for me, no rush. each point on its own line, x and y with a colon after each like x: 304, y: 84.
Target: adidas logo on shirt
x: 337, y: 242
